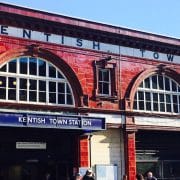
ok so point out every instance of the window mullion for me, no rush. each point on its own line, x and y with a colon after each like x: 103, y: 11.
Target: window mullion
x: 138, y: 100
x: 151, y: 98
x: 158, y: 101
x: 65, y: 93
x: 28, y: 66
x: 56, y: 92
x: 37, y: 90
x: 172, y: 107
x: 37, y: 67
x: 110, y: 82
x: 27, y: 89
x: 6, y: 88
x: 17, y: 89
x: 47, y: 92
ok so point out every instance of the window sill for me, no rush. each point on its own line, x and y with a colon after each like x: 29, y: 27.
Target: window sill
x: 106, y: 98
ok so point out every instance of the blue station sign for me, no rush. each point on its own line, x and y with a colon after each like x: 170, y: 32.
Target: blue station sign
x: 52, y: 121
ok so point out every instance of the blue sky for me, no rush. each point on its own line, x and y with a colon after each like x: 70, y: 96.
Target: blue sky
x: 156, y: 16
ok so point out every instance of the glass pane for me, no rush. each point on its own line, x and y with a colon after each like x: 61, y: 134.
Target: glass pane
x: 52, y: 97
x: 105, y: 88
x: 168, y: 107
x: 141, y: 95
x: 155, y: 97
x: 135, y: 97
x: 42, y: 97
x: 168, y: 98
x: 11, y: 82
x: 175, y: 99
x: 174, y: 87
x: 167, y: 84
x: 23, y: 65
x: 4, y: 68
x: 141, y: 105
x: 69, y: 99
x: 42, y: 68
x: 148, y: 106
x: 52, y: 86
x: 23, y: 95
x: 100, y: 88
x: 135, y: 101
x: 162, y: 107
x: 23, y: 83
x: 61, y: 99
x: 60, y: 75
x: 68, y: 89
x: 12, y: 66
x: 175, y: 107
x: 100, y: 75
x: 144, y: 167
x: 161, y: 83
x: 135, y: 105
x: 61, y: 87
x: 161, y: 97
x: 52, y: 71
x: 12, y: 94
x: 154, y: 82
x: 171, y: 170
x: 42, y: 85
x: 32, y: 66
x: 2, y: 93
x: 2, y: 81
x: 147, y: 83
x: 32, y: 84
x: 106, y: 75
x: 147, y: 96
x: 155, y: 106
x: 33, y: 96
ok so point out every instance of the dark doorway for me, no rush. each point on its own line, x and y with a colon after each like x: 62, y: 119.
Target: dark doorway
x: 158, y: 151
x: 31, y: 153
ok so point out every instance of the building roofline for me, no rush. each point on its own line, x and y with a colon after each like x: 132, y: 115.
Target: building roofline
x: 83, y: 23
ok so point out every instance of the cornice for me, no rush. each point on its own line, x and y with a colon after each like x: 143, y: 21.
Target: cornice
x: 49, y: 22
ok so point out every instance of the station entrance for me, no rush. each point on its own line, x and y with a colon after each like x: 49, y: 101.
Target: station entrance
x: 158, y: 151
x: 31, y: 153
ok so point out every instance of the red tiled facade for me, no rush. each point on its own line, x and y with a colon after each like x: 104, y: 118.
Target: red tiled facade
x: 77, y: 65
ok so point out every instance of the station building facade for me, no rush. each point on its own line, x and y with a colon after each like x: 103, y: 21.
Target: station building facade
x: 76, y: 94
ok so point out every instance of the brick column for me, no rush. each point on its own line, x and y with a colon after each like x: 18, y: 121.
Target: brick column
x: 130, y: 148
x: 84, y: 151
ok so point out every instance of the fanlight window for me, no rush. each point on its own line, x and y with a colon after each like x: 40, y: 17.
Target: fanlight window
x: 34, y: 80
x: 158, y: 93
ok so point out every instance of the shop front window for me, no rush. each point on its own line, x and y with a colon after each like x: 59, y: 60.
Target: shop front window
x: 34, y: 80
x: 158, y: 93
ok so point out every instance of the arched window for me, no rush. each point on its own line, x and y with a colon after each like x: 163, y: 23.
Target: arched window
x: 34, y: 80
x: 158, y: 93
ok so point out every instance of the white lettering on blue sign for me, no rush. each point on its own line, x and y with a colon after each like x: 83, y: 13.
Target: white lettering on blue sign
x: 34, y: 120
x: 87, y: 44
x: 86, y: 122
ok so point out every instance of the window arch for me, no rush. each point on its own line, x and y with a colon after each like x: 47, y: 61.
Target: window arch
x: 158, y: 93
x: 34, y: 80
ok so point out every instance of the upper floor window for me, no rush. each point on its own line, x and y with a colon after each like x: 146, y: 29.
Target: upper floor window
x: 105, y: 81
x: 158, y: 93
x: 34, y: 80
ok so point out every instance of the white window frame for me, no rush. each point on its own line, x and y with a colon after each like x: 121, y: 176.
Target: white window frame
x: 37, y: 78
x: 102, y: 70
x: 158, y: 91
